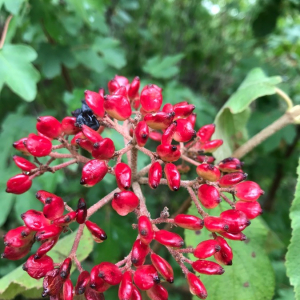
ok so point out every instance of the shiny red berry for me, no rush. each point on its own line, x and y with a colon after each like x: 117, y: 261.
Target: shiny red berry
x: 230, y: 165
x: 15, y: 253
x: 184, y: 131
x: 95, y: 102
x: 139, y: 253
x: 68, y: 290
x: 18, y: 237
x: 123, y: 176
x: 104, y: 149
x: 207, y: 267
x: 48, y: 232
x: 81, y: 211
x: 49, y: 126
x: 189, y: 222
x: 82, y: 282
x: 155, y: 136
x: 145, y: 230
x: 92, y: 135
x: 157, y: 292
x: 250, y: 209
x: 205, y: 132
x: 234, y: 236
x: 125, y: 202
x: 65, y: 268
x: 167, y: 136
x: 35, y: 220
x: 196, y: 286
x: 18, y: 184
x: 93, y: 172
x: 183, y: 110
x: 141, y: 133
x: 151, y: 98
x: 113, y: 85
x: 125, y: 289
x: 38, y: 268
x: 163, y: 267
x: 172, y: 176
x: 168, y: 153
x: 45, y: 247
x: 37, y: 145
x: 211, y: 146
x: 159, y: 120
x: 232, y: 179
x: 145, y: 277
x: 109, y: 272
x: 20, y: 146
x: 225, y: 255
x: 248, y: 191
x: 215, y: 224
x: 208, y: 172
x: 66, y: 219
x: 206, y: 249
x: 236, y: 220
x: 23, y: 164
x: 134, y: 88
x: 117, y: 106
x: 68, y: 126
x: 98, y: 233
x: 154, y: 175
x: 168, y: 238
x: 209, y: 196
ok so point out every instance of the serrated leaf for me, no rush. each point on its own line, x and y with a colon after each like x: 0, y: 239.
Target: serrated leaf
x: 293, y: 257
x: 19, y: 282
x: 251, y: 276
x: 17, y: 72
x: 232, y: 118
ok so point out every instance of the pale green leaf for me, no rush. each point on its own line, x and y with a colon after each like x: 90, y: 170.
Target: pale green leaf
x: 13, y: 6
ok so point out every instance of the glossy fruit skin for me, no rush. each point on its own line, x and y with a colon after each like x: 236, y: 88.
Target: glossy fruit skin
x: 18, y: 237
x: 23, y: 164
x: 225, y: 255
x: 113, y: 85
x: 163, y: 267
x: 250, y: 209
x: 13, y: 253
x: 205, y: 132
x: 35, y: 220
x: 206, y: 249
x: 82, y: 282
x: 38, y: 268
x: 125, y: 289
x: 20, y: 146
x: 104, y: 149
x: 98, y: 233
x: 52, y: 283
x: 157, y: 292
x: 184, y: 131
x: 145, y: 230
x: 211, y: 146
x: 159, y: 120
x: 95, y: 102
x: 66, y: 219
x: 236, y: 220
x: 234, y: 236
x: 155, y: 136
x: 172, y: 176
x: 141, y: 133
x: 189, y: 222
x: 136, y: 294
x: 208, y: 172
x: 231, y: 179
x: 134, y: 88
x: 117, y: 106
x: 93, y: 172
x: 209, y: 196
x: 37, y: 145
x: 84, y: 144
x: 81, y: 211
x: 215, y: 224
x: 183, y: 110
x: 123, y: 176
x: 68, y: 126
x: 92, y: 135
x: 125, y: 202
x: 54, y: 206
x: 139, y: 253
x: 230, y: 165
x: 168, y: 153
x: 109, y: 272
x: 68, y: 290
x: 18, y: 184
x: 145, y: 277
x: 45, y: 247
x: 167, y: 136
x: 154, y: 175
x: 151, y: 98
x: 248, y: 191
x: 65, y: 268
x: 207, y: 267
x: 168, y: 108
x: 168, y: 238
x: 49, y: 126
x: 97, y: 283
x: 197, y: 288
x: 48, y: 232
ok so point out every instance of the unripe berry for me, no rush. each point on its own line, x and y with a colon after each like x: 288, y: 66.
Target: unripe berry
x: 134, y: 88
x: 108, y: 272
x: 65, y: 268
x: 172, y: 176
x: 13, y: 253
x: 52, y: 283
x: 104, y: 149
x: 92, y: 135
x: 159, y: 120
x: 93, y: 172
x: 151, y: 98
x: 68, y: 290
x: 250, y: 209
x: 38, y: 268
x: 225, y: 255
x: 81, y: 211
x: 167, y: 136
x: 206, y: 132
x: 66, y: 219
x: 139, y: 253
x: 141, y: 133
x: 207, y: 267
x: 189, y: 222
x: 197, y: 288
x: 230, y: 165
x: 209, y: 196
x: 136, y: 294
x: 236, y: 220
x: 145, y: 277
x: 154, y: 175
x: 98, y: 233
x: 49, y: 126
x: 163, y: 267
x: 45, y: 247
x: 215, y: 224
x: 168, y: 153
x: 95, y: 102
x: 37, y: 145
x: 117, y: 106
x: 248, y: 191
x: 208, y: 172
x: 211, y: 146
x: 82, y: 282
x: 155, y: 136
x: 48, y: 232
x: 145, y: 230
x: 183, y: 110
x: 35, y: 220
x: 123, y: 176
x: 234, y: 236
x: 168, y: 238
x: 125, y: 202
x: 125, y: 289
x: 184, y: 131
x: 232, y: 179
x: 18, y: 237
x: 68, y: 126
x: 206, y: 249
x: 23, y: 164
x: 113, y: 85
x: 20, y: 146
x: 18, y: 184
x: 157, y: 292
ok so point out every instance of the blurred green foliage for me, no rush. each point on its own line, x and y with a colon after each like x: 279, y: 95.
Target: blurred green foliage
x: 197, y: 50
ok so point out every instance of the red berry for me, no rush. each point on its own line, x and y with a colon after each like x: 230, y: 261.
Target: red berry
x: 92, y: 135
x: 208, y: 172
x: 211, y: 146
x: 184, y: 131
x: 93, y: 172
x: 68, y: 290
x: 66, y: 219
x: 45, y: 247
x: 172, y: 176
x: 49, y: 126
x: 197, y: 288
x: 159, y: 120
x: 125, y: 202
x: 183, y: 110
x: 82, y: 282
x: 48, y: 232
x: 206, y: 132
x: 20, y: 146
x: 134, y: 88
x: 81, y: 211
x: 232, y: 179
x: 207, y: 267
x: 23, y: 164
x: 230, y: 165
x: 38, y: 268
x: 225, y: 255
x: 108, y: 272
x: 37, y: 145
x: 136, y: 295
x: 52, y: 283
x: 167, y: 136
x: 163, y: 267
x: 189, y: 222
x: 250, y: 209
x: 121, y: 80
x: 215, y: 224
x: 113, y: 85
x: 154, y: 175
x: 145, y: 277
x: 157, y: 292
x: 123, y: 176
x: 141, y: 133
x: 65, y: 268
x: 84, y: 144
x: 236, y: 220
x: 95, y: 102
x: 145, y: 230
x: 192, y: 118
x: 98, y: 233
x: 35, y: 220
x: 54, y: 206
x: 155, y: 136
x: 168, y: 108
x: 209, y: 196
x: 90, y: 294
x: 139, y: 253
x: 18, y: 184
x: 168, y: 238
x: 68, y: 126
x: 13, y: 253
x: 206, y: 249
x: 234, y: 236
x: 104, y: 149
x: 18, y: 237
x: 117, y: 106
x: 168, y: 153
x: 125, y: 289
x: 204, y: 158
x: 151, y: 98
x: 248, y: 191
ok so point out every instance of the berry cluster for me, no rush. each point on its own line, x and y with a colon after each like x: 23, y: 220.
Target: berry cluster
x: 173, y: 127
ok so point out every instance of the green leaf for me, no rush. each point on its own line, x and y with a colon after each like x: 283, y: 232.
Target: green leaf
x: 251, y: 274
x: 17, y: 72
x: 91, y: 60
x: 6, y: 203
x: 165, y: 68
x: 13, y: 6
x: 293, y: 257
x: 232, y: 118
x: 19, y: 282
